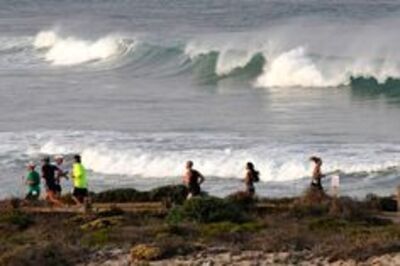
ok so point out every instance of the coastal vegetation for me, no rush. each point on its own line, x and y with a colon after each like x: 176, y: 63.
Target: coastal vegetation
x: 313, y: 225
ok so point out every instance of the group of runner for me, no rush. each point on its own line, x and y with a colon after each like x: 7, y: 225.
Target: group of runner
x: 193, y: 178
x: 52, y: 174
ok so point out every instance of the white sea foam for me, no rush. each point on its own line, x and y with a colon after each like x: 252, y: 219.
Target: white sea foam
x: 297, y: 67
x: 71, y: 50
x: 224, y: 156
x: 292, y: 68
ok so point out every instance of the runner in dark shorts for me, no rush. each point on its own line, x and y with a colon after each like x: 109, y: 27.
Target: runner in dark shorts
x: 79, y: 177
x: 192, y: 179
x: 49, y: 172
x: 317, y: 173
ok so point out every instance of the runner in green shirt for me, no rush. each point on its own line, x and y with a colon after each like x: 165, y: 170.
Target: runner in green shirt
x: 33, y: 182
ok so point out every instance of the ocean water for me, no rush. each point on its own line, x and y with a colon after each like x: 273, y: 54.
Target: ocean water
x: 139, y: 87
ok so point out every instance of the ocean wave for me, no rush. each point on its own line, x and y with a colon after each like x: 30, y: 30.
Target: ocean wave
x: 68, y: 51
x: 260, y: 66
x: 216, y: 155
x: 300, y: 68
x: 223, y: 62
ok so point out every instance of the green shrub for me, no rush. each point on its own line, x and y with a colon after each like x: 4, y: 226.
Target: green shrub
x: 43, y: 254
x: 176, y: 215
x: 388, y: 204
x: 327, y: 224
x: 303, y: 210
x: 348, y: 208
x: 97, y: 238
x: 215, y: 229
x: 17, y: 218
x: 243, y: 199
x: 208, y: 210
x: 313, y: 196
x: 121, y: 195
x: 174, y: 194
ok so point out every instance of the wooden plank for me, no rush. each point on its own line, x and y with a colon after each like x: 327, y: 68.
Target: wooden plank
x: 131, y: 207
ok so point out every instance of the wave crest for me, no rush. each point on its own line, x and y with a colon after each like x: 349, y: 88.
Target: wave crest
x: 261, y: 66
x: 73, y: 51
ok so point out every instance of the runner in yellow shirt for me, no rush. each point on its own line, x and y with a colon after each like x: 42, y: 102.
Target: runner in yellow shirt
x: 80, y: 194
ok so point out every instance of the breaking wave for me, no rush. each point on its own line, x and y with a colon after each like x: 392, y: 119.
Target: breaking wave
x: 221, y: 155
x: 263, y: 66
x: 74, y: 51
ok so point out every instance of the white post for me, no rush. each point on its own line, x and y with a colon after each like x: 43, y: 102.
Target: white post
x: 335, y: 184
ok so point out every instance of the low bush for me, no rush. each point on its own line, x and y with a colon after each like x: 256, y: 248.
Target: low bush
x: 243, y: 199
x: 121, y: 195
x: 303, y: 210
x: 348, y: 208
x: 175, y: 246
x: 327, y: 224
x: 208, y: 210
x: 312, y: 196
x: 17, y: 218
x: 44, y: 254
x: 388, y: 204
x: 215, y: 229
x: 174, y: 194
x: 96, y: 238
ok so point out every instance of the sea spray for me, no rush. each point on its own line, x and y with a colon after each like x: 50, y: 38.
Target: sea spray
x: 70, y: 50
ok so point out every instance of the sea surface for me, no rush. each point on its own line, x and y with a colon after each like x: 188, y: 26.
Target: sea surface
x: 139, y: 87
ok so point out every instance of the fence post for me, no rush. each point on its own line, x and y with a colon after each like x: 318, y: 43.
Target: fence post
x: 398, y: 198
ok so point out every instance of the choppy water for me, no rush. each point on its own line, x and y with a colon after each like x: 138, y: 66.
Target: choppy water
x: 139, y: 87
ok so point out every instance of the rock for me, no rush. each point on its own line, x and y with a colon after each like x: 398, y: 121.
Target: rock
x: 102, y: 223
x: 143, y: 252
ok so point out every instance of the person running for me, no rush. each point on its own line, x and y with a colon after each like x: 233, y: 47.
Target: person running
x: 33, y: 182
x: 61, y: 172
x: 192, y: 179
x: 316, y: 174
x: 251, y: 177
x: 49, y: 175
x: 80, y: 194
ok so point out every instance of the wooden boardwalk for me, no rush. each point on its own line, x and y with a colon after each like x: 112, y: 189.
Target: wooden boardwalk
x: 130, y: 207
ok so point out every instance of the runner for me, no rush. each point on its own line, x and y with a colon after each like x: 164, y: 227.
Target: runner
x: 80, y: 194
x: 61, y: 172
x: 192, y: 179
x: 251, y: 177
x: 49, y: 175
x: 316, y: 174
x: 33, y: 182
